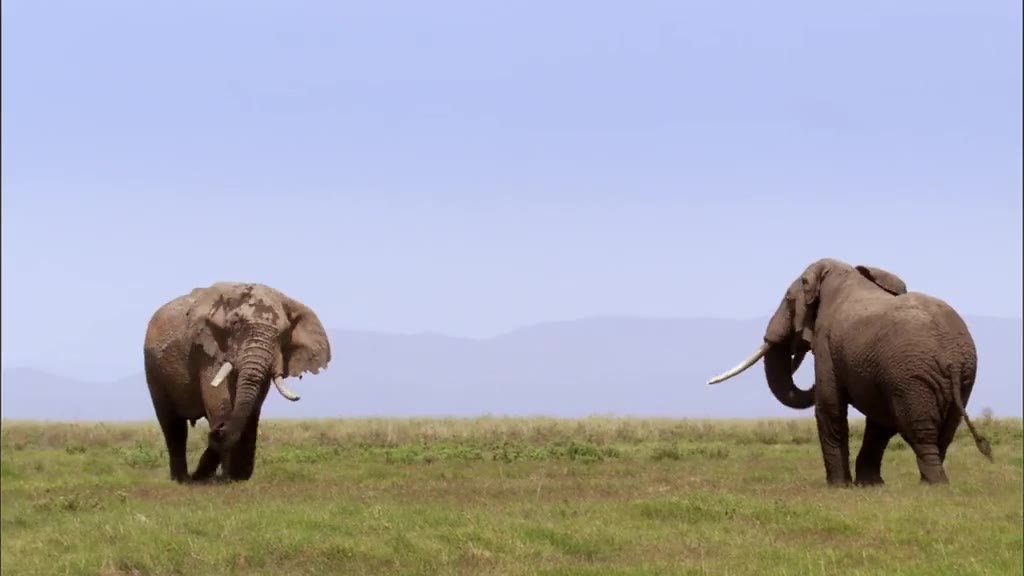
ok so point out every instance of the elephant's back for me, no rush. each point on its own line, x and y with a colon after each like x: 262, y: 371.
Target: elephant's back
x: 926, y: 335
x: 934, y: 320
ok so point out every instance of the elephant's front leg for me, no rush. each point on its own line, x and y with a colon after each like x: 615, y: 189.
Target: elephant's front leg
x: 833, y: 433
x: 830, y: 408
x: 869, y: 460
x: 175, y: 431
x: 208, y: 464
x: 217, y: 403
x: 242, y: 460
x: 240, y: 463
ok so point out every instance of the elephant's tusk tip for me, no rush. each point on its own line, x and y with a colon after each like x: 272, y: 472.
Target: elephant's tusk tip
x: 284, y: 390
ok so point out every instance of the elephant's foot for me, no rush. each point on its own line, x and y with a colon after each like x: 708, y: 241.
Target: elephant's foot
x: 869, y: 476
x: 208, y: 464
x: 936, y: 480
x: 869, y: 480
x: 839, y: 482
x: 191, y: 481
x: 212, y: 480
x: 179, y: 473
x: 204, y: 480
x: 930, y: 467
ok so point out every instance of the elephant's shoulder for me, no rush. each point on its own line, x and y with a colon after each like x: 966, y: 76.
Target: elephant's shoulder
x: 170, y: 318
x: 170, y: 309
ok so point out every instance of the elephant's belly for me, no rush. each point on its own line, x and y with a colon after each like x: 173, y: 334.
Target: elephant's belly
x: 872, y: 404
x: 196, y: 400
x: 190, y: 406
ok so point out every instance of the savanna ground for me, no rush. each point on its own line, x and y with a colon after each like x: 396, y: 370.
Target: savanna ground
x: 504, y: 496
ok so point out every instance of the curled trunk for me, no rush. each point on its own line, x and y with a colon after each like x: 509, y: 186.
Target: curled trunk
x: 778, y: 370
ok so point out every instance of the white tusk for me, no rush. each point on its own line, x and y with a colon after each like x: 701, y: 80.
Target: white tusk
x: 279, y: 383
x: 742, y: 365
x: 225, y: 369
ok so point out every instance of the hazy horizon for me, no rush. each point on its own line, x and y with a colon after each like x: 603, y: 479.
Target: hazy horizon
x: 108, y: 375
x: 485, y: 337
x: 620, y: 366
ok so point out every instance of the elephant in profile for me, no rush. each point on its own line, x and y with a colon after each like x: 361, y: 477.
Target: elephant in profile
x: 905, y: 360
x: 214, y: 353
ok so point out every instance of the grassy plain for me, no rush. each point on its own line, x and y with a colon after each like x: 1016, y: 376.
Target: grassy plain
x: 596, y: 496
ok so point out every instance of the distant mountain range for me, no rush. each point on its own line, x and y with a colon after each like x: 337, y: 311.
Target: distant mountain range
x: 620, y: 366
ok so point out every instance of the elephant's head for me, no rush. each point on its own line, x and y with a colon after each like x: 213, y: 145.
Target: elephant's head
x: 790, y: 332
x: 263, y: 335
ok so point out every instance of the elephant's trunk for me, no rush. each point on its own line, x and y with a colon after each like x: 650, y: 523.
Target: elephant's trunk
x: 255, y: 359
x: 778, y: 369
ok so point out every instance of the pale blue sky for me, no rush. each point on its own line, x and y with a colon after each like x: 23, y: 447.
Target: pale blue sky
x: 470, y: 167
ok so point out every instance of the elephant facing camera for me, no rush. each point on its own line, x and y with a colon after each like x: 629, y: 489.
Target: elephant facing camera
x: 214, y: 353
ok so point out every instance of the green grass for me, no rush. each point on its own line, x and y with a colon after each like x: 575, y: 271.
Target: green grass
x: 504, y: 496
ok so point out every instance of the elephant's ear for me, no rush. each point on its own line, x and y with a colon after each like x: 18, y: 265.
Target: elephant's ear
x: 208, y: 322
x: 810, y: 283
x: 309, y: 350
x: 885, y: 280
x: 806, y: 301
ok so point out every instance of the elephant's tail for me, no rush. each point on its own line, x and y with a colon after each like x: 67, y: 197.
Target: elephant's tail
x: 982, y: 443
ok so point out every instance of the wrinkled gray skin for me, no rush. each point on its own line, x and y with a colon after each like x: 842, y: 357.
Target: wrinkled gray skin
x: 904, y: 360
x: 262, y: 333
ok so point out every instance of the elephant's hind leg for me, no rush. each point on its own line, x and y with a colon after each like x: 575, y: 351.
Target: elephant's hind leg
x: 869, y: 460
x: 923, y: 438
x: 947, y: 432
x: 919, y: 425
x: 930, y: 464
